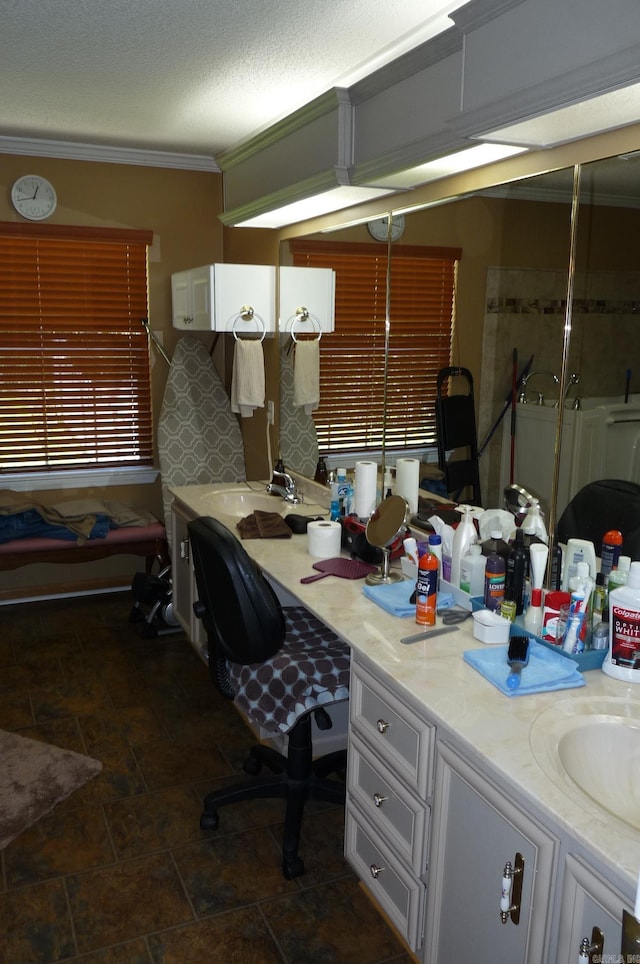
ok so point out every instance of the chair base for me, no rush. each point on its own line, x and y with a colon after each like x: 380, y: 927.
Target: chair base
x: 295, y: 777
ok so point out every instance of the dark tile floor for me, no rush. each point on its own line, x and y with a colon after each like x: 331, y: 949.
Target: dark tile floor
x: 120, y: 871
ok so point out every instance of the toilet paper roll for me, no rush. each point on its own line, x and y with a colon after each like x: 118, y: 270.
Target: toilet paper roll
x: 324, y: 539
x: 408, y: 481
x: 366, y: 488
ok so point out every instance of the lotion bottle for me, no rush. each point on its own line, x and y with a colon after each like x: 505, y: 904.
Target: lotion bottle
x: 463, y: 537
x: 533, y: 616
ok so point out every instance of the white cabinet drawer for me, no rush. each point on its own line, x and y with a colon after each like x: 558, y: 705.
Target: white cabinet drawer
x: 400, y: 895
x: 392, y: 731
x: 389, y: 807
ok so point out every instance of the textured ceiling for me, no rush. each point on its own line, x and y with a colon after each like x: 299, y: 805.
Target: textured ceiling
x: 189, y: 76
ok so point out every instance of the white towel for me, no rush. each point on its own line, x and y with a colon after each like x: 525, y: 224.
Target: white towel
x: 247, y: 382
x: 306, y: 375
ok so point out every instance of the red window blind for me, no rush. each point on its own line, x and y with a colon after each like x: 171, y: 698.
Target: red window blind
x: 74, y: 355
x: 352, y: 359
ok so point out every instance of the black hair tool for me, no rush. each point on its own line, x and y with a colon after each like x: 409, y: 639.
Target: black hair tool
x: 517, y: 658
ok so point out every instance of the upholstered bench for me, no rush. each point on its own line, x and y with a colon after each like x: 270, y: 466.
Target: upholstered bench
x: 149, y: 541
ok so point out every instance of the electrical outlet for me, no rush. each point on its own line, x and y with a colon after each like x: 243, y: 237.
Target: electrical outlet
x: 271, y: 413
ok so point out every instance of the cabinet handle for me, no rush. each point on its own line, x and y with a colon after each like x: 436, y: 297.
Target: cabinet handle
x: 375, y: 871
x: 378, y: 799
x: 511, y: 893
x: 595, y: 948
x: 184, y: 549
x: 382, y: 726
x: 187, y: 319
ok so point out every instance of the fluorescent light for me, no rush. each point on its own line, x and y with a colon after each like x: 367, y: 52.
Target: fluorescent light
x: 618, y: 108
x: 312, y: 207
x: 456, y: 163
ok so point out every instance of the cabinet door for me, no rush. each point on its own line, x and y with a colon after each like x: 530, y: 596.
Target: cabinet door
x: 181, y: 300
x: 588, y: 902
x: 476, y: 829
x: 183, y: 580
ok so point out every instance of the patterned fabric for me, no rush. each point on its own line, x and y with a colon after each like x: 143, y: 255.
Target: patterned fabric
x: 311, y: 669
x: 199, y: 437
x: 298, y: 438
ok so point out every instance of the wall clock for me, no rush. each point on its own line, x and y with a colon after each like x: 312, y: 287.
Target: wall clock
x: 379, y: 229
x: 33, y: 197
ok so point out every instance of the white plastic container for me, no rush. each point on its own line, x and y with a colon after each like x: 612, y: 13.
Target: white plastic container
x: 463, y: 537
x: 623, y: 657
x: 472, y: 570
x: 578, y: 550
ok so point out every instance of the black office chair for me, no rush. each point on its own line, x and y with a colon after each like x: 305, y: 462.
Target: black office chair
x: 280, y: 665
x: 601, y: 506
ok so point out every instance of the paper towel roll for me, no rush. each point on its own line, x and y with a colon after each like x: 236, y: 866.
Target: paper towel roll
x: 408, y: 481
x: 366, y: 488
x: 324, y: 539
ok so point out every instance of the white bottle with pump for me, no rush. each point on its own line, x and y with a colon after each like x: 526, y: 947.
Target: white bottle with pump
x: 623, y: 657
x: 463, y: 537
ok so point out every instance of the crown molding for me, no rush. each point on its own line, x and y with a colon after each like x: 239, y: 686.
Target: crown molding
x: 67, y: 150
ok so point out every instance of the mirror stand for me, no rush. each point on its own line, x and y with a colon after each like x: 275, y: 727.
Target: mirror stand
x: 384, y: 574
x: 383, y: 527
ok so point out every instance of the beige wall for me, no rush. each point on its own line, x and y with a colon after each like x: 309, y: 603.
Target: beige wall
x: 181, y: 208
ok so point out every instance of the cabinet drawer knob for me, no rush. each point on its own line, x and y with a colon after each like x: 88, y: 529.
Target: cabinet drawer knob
x: 382, y: 726
x: 378, y: 799
x: 375, y: 871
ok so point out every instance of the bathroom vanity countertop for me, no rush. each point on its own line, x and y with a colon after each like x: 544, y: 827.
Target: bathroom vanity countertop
x: 495, y: 728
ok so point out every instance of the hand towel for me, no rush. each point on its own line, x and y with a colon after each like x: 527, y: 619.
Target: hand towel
x: 545, y: 671
x: 395, y: 596
x: 247, y: 383
x: 306, y: 375
x: 263, y: 525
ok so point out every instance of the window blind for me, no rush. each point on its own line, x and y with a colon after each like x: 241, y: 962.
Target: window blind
x: 74, y: 355
x: 351, y: 415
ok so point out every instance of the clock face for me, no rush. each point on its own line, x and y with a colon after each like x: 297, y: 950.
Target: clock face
x: 33, y: 197
x: 379, y: 229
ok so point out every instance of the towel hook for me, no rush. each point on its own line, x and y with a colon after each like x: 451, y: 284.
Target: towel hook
x: 303, y: 315
x: 247, y: 313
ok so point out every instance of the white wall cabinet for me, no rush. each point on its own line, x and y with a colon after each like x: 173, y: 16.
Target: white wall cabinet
x: 313, y: 289
x: 224, y: 297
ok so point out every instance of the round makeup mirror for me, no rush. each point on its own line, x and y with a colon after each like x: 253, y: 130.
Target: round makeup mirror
x: 384, y: 525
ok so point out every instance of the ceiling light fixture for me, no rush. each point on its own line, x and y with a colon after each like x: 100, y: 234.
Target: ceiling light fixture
x: 336, y: 199
x: 606, y: 112
x: 456, y: 163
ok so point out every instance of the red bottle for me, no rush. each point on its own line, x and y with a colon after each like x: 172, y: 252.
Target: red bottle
x: 426, y: 589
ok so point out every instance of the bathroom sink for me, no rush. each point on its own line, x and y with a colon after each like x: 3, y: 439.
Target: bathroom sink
x: 239, y: 503
x: 591, y: 750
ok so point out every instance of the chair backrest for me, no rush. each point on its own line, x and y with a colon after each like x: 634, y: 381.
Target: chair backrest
x: 240, y: 611
x: 601, y: 506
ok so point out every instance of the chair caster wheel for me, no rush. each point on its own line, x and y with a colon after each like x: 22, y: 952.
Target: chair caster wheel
x: 252, y: 766
x: 209, y: 821
x: 292, y: 867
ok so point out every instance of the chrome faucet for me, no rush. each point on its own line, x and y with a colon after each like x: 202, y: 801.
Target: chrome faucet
x: 574, y: 378
x: 525, y: 381
x: 282, y: 484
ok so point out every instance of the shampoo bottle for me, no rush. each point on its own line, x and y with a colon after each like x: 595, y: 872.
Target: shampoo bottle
x: 463, y: 537
x: 623, y: 657
x: 618, y: 577
x: 494, y: 581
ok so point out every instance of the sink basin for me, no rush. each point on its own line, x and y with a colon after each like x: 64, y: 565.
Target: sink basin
x: 591, y: 750
x: 239, y: 503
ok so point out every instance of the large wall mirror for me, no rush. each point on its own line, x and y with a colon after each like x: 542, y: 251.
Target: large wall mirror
x: 511, y: 294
